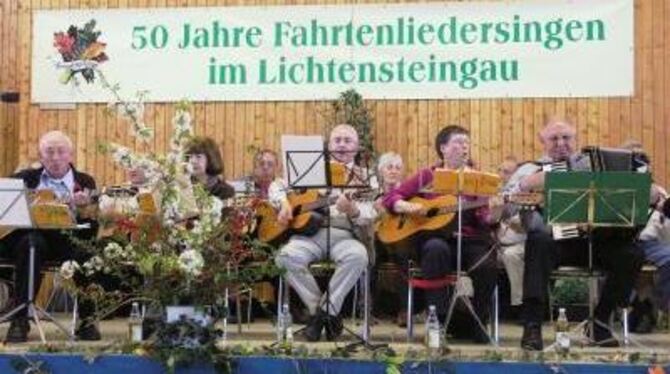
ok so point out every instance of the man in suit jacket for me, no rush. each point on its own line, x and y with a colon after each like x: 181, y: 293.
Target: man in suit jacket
x: 59, y: 175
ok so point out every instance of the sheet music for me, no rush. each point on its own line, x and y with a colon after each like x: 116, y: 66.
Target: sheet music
x: 14, y: 209
x: 304, y: 161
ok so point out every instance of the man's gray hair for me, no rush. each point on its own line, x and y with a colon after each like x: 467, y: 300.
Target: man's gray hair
x: 54, y: 136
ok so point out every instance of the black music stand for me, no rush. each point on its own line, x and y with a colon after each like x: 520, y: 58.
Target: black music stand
x: 17, y: 215
x: 596, y: 200
x: 316, y: 174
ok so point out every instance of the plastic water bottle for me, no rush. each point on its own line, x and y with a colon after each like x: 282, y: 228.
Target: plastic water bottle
x: 562, y: 332
x: 432, y: 329
x: 135, y: 323
x: 284, y: 325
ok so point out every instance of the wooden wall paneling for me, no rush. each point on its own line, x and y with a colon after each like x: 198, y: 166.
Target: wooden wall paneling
x: 410, y: 131
x: 505, y: 118
x: 517, y: 129
x: 402, y: 134
x: 487, y: 153
x: 666, y: 104
x: 613, y: 106
x: 5, y: 124
x: 433, y: 125
x: 392, y: 130
x: 442, y: 113
x: 238, y: 138
x: 500, y: 127
x: 249, y: 136
x: 636, y: 103
x: 539, y: 120
x: 603, y: 125
x: 475, y: 134
x: 581, y: 121
x: 647, y: 75
x: 528, y: 108
x: 496, y: 132
x: 229, y: 139
x: 378, y: 112
x: 454, y: 112
x: 659, y: 100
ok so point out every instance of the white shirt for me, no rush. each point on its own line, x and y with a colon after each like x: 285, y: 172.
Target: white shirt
x: 278, y: 193
x: 63, y: 187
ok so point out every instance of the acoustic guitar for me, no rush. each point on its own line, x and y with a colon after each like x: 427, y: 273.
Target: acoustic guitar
x: 306, y: 219
x: 440, y: 212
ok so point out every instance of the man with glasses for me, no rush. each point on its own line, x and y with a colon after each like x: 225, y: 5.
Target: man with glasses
x: 613, y: 250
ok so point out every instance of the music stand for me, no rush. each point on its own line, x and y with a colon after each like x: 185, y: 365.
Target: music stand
x: 604, y: 199
x: 463, y: 182
x: 311, y: 168
x: 15, y: 213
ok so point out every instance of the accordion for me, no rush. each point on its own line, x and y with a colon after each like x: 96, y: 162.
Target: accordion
x: 616, y: 159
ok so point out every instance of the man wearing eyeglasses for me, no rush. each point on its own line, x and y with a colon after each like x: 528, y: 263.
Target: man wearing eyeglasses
x: 613, y: 251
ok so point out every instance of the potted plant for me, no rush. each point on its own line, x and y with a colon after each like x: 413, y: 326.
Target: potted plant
x: 573, y: 295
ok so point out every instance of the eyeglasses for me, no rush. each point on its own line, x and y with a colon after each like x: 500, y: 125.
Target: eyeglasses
x: 557, y: 138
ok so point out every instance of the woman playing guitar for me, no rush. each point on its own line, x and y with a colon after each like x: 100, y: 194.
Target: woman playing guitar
x: 436, y: 250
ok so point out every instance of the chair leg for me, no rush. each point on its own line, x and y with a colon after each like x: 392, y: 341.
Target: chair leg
x: 75, y: 315
x: 366, y: 305
x: 410, y: 320
x: 238, y: 311
x: 280, y: 295
x: 251, y: 304
x: 550, y: 299
x: 495, y: 326
x: 593, y: 300
x: 354, y: 302
x: 624, y: 322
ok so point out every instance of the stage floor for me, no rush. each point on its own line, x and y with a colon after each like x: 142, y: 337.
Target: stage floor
x: 262, y: 333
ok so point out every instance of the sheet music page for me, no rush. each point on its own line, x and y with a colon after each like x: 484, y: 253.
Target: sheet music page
x: 14, y: 210
x: 302, y: 169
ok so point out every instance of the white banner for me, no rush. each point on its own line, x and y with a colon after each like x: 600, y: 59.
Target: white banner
x: 563, y: 48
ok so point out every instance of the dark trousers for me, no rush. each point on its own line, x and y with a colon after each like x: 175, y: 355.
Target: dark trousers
x: 50, y: 245
x: 613, y: 253
x: 437, y: 257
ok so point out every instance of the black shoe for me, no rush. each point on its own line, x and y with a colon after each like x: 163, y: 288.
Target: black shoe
x: 532, y: 337
x: 602, y: 337
x: 313, y: 330
x: 334, y: 327
x: 88, y: 332
x: 18, y: 331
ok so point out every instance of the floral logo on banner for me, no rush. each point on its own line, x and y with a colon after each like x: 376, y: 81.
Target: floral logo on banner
x: 80, y: 51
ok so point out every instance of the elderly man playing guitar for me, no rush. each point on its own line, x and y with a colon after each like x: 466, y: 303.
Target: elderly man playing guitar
x: 345, y: 248
x: 69, y: 186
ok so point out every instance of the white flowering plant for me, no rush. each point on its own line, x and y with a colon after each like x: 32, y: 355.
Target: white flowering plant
x: 192, y: 247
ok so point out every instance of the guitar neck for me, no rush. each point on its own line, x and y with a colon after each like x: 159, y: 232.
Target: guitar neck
x: 465, y: 205
x: 330, y: 200
x: 320, y: 203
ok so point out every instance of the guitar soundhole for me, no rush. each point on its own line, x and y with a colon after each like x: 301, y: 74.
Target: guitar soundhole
x: 432, y: 212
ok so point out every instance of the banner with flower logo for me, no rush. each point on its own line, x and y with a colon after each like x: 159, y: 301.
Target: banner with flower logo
x: 551, y: 48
